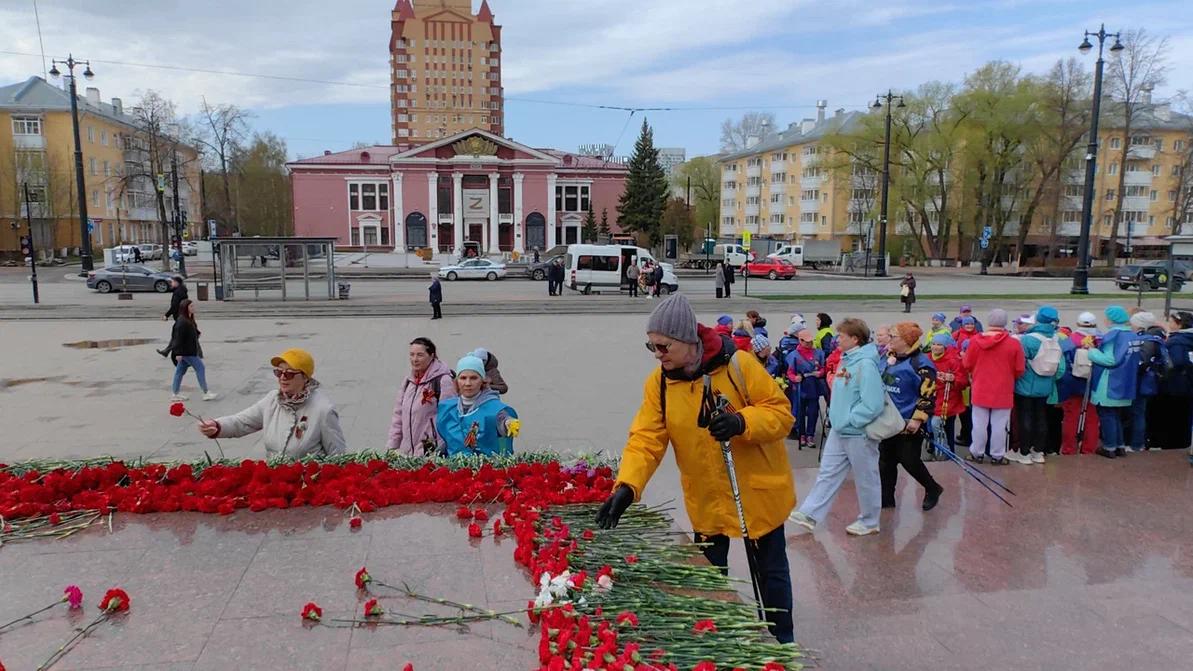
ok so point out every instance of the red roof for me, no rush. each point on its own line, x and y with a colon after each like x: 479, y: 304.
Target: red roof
x: 377, y: 154
x: 404, y: 9
x: 485, y: 14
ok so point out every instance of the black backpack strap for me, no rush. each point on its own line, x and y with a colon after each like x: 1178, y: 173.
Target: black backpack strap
x: 663, y: 395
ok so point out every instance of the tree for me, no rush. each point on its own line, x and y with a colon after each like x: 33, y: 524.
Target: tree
x: 736, y: 135
x: 1182, y: 204
x: 1133, y: 74
x: 224, y: 128
x: 640, y: 208
x: 705, y: 176
x: 677, y: 221
x: 588, y: 231
x: 604, y: 228
x: 260, y: 172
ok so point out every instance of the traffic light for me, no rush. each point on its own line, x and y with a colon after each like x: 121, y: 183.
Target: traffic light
x: 26, y: 245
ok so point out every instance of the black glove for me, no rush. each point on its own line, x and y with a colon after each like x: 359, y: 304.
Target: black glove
x: 611, y: 511
x: 727, y: 425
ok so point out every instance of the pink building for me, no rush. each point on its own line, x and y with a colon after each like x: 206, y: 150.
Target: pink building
x: 471, y: 186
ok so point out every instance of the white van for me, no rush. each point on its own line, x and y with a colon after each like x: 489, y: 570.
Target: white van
x: 731, y: 254
x: 788, y: 252
x: 595, y: 267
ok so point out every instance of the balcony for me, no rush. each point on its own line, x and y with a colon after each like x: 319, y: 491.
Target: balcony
x: 36, y: 210
x: 728, y: 210
x: 753, y: 190
x: 1070, y: 203
x: 754, y: 171
x: 29, y: 142
x: 1069, y: 229
x: 773, y: 228
x: 806, y: 228
x: 752, y: 210
x: 811, y: 205
x: 1139, y: 203
x: 1075, y: 176
x: 811, y: 182
x: 1138, y: 177
x: 1145, y: 151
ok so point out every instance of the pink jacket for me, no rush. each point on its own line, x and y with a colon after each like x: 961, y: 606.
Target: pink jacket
x: 416, y: 408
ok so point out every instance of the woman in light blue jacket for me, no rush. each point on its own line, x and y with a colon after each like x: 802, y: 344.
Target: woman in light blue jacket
x: 856, y: 400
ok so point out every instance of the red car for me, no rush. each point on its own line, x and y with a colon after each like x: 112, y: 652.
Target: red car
x: 771, y: 268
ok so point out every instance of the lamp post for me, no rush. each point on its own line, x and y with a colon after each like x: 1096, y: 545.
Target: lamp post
x: 879, y: 101
x: 1081, y: 274
x: 84, y: 228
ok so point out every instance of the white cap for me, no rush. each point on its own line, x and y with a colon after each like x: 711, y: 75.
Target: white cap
x: 1087, y: 319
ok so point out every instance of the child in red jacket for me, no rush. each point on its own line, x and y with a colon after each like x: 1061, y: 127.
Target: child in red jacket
x: 951, y: 381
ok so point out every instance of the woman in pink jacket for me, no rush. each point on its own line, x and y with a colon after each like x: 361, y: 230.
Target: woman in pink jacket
x: 430, y: 381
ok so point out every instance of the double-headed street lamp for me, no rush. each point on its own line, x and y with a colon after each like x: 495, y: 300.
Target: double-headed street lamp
x: 85, y: 231
x: 1081, y: 274
x: 887, y: 99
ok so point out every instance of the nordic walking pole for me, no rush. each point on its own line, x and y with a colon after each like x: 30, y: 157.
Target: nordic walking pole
x: 1084, y: 404
x: 727, y: 454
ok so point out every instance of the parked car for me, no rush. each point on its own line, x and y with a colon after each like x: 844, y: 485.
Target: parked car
x: 473, y: 269
x: 1154, y: 275
x: 771, y: 267
x: 190, y: 247
x: 150, y: 251
x: 124, y: 254
x: 538, y: 271
x: 132, y: 277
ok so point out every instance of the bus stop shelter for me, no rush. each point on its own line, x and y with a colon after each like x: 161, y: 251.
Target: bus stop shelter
x: 1179, y: 247
x: 289, y: 266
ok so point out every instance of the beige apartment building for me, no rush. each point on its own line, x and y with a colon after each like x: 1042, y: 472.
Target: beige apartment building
x: 445, y: 70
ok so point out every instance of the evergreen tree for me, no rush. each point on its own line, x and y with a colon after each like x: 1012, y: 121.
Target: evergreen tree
x: 640, y: 209
x: 604, y: 228
x: 588, y: 232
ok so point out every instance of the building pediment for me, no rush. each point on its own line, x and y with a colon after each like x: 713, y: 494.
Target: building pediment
x: 473, y: 146
x: 449, y: 16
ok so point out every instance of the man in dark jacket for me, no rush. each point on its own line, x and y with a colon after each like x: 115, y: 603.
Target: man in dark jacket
x: 436, y: 296
x: 728, y: 269
x: 555, y: 278
x: 658, y: 278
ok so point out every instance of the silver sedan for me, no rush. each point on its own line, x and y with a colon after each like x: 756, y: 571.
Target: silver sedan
x: 473, y: 269
x: 132, y: 277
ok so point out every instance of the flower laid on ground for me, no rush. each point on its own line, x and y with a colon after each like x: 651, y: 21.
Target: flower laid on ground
x: 631, y: 559
x: 55, y: 519
x: 177, y: 409
x: 362, y: 578
x: 115, y: 601
x: 373, y: 608
x: 74, y: 596
x: 355, y: 522
x: 627, y: 618
x: 408, y: 667
x: 497, y: 528
x: 312, y: 612
x: 704, y: 626
x: 587, y: 535
x: 463, y: 513
x: 474, y: 530
x: 480, y: 515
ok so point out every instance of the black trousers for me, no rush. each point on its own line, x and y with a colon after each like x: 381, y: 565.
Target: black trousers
x: 1055, y: 417
x: 633, y: 288
x: 552, y: 287
x: 1169, y: 421
x: 1032, y: 416
x: 773, y: 574
x: 902, y: 450
x: 436, y: 313
x: 966, y: 437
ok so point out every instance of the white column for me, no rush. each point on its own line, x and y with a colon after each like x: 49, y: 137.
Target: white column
x: 398, y: 217
x: 458, y: 211
x: 494, y: 215
x: 550, y: 211
x: 433, y: 211
x: 519, y: 225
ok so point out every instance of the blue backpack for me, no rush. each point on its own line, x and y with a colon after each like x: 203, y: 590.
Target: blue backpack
x: 1154, y: 368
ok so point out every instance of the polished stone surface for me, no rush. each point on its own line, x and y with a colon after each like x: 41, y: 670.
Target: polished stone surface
x: 1091, y: 570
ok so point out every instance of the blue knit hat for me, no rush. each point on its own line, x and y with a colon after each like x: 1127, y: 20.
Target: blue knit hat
x: 938, y: 317
x: 759, y: 342
x: 724, y: 320
x: 1047, y: 315
x: 1117, y: 314
x: 943, y: 339
x: 469, y: 362
x: 968, y: 321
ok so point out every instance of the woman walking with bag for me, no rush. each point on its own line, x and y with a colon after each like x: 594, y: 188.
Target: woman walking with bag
x: 186, y: 352
x: 907, y: 292
x: 856, y: 401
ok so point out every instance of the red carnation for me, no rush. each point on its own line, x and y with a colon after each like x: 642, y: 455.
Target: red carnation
x: 705, y: 666
x: 463, y: 513
x: 177, y: 409
x: 631, y: 559
x: 363, y: 578
x: 627, y: 618
x: 773, y: 666
x: 587, y: 535
x: 408, y: 667
x: 115, y: 601
x: 355, y: 521
x: 497, y: 530
x: 703, y: 626
x: 474, y: 530
x: 55, y: 519
x: 312, y: 612
x: 480, y: 515
x: 372, y: 608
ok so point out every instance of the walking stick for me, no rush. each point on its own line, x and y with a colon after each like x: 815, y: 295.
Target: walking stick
x: 1081, y: 417
x: 940, y: 421
x: 727, y: 454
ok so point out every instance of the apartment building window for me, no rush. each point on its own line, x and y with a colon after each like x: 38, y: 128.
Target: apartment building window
x: 1116, y: 143
x: 731, y: 185
x: 402, y: 74
x: 811, y: 172
x: 753, y: 181
x: 26, y: 125
x: 91, y: 166
x: 752, y: 221
x: 1178, y: 145
x: 810, y: 194
x: 776, y: 198
x: 95, y: 197
x: 103, y: 137
x: 1134, y: 166
x: 368, y: 196
x: 753, y: 200
x: 1172, y: 195
x: 824, y: 220
x: 778, y: 219
x: 728, y: 202
x: 107, y: 169
x: 1109, y: 194
x: 1070, y: 217
x: 1140, y: 140
x: 91, y: 134
x: 1112, y: 169
x: 778, y: 178
x: 728, y: 221
x: 807, y: 218
x: 1155, y: 170
x: 1159, y: 144
x: 1133, y: 216
x: 791, y: 200
x: 403, y: 118
x: 779, y: 156
x: 1074, y: 190
x: 1138, y: 191
x: 1177, y: 170
x: 1155, y: 195
x: 863, y: 194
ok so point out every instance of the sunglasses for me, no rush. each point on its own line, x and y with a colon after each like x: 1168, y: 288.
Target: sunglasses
x: 286, y: 374
x: 661, y: 349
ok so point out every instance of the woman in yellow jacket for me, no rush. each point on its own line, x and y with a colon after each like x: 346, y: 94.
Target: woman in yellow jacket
x: 755, y: 424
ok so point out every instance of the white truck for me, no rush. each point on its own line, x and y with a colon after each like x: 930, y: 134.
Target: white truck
x: 813, y: 253
x: 730, y: 254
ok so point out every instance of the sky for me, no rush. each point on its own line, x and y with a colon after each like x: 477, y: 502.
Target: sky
x: 706, y: 61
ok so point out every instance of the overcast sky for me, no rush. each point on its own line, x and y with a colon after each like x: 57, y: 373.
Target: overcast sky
x: 779, y: 55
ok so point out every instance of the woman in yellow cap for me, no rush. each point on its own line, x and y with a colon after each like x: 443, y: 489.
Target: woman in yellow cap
x: 295, y: 421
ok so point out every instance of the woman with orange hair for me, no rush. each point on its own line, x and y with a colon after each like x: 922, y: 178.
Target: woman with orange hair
x: 910, y: 380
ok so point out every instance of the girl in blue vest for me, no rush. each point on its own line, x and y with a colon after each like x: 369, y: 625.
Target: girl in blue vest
x: 1115, y: 390
x: 476, y: 422
x: 910, y: 379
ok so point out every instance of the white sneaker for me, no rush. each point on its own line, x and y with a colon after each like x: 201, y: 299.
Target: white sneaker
x: 210, y: 396
x: 178, y: 397
x: 1036, y: 457
x: 1018, y: 458
x: 1155, y: 449
x: 799, y: 519
x: 859, y: 529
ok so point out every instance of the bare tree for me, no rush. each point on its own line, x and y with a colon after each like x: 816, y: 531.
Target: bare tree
x: 735, y: 135
x: 1182, y: 200
x: 1134, y: 73
x: 224, y: 130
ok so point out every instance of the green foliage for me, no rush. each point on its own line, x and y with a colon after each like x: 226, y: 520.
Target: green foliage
x: 677, y: 221
x: 604, y: 227
x: 640, y: 208
x: 705, y: 176
x: 588, y: 232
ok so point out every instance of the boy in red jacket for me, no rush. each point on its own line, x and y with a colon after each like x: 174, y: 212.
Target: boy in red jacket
x: 994, y: 360
x: 951, y: 377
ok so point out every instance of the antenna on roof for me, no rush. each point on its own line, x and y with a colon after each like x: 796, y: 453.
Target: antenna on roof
x: 37, y: 18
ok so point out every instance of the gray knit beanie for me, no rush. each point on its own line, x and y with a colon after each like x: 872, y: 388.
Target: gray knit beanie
x: 675, y: 319
x: 998, y: 318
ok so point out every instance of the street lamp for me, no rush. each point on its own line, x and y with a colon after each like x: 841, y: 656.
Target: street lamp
x: 84, y: 223
x: 1081, y: 274
x: 888, y: 98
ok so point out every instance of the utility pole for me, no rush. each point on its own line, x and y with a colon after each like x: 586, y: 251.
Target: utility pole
x: 177, y: 214
x: 84, y: 223
x: 880, y: 265
x: 27, y: 246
